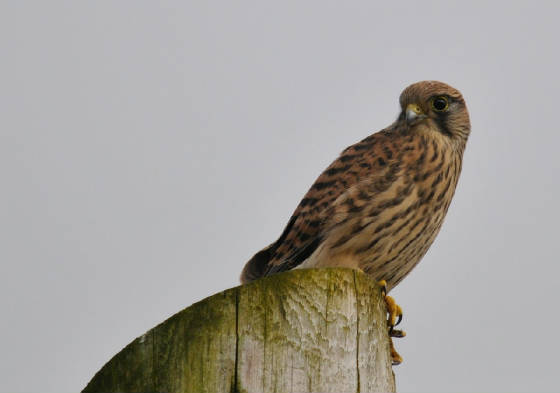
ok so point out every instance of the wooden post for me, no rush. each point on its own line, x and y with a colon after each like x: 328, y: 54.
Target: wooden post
x: 316, y: 330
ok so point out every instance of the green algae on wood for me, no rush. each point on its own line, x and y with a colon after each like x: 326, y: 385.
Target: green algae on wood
x: 316, y: 330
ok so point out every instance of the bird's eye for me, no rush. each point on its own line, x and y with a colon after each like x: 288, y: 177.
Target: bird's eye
x: 440, y: 104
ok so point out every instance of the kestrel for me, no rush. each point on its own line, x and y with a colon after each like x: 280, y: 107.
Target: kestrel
x: 379, y: 206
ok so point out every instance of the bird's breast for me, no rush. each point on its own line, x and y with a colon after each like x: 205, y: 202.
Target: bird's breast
x: 394, y: 228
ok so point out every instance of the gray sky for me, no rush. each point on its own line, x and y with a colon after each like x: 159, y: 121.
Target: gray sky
x: 148, y: 149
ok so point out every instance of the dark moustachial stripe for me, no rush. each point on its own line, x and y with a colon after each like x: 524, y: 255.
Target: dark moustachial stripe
x: 442, y: 123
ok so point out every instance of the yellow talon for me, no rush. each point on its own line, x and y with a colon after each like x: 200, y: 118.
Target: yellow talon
x: 383, y: 285
x: 395, y: 317
x: 394, y: 311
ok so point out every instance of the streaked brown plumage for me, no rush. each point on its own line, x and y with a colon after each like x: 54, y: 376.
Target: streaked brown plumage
x: 381, y: 203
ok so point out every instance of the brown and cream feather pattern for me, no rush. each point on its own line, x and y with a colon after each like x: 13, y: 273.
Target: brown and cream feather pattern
x: 379, y: 206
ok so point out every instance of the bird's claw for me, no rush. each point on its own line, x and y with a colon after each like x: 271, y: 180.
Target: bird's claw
x: 394, y: 311
x: 394, y: 318
x: 396, y: 359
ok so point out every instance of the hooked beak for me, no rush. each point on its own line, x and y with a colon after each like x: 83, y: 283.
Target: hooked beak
x: 413, y: 112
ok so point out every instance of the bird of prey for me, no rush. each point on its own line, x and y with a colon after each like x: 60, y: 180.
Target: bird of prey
x: 379, y: 206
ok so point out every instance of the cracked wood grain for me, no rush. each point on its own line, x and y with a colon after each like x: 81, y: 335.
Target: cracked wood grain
x: 319, y: 330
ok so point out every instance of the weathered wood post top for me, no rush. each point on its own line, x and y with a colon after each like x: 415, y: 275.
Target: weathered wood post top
x: 316, y: 330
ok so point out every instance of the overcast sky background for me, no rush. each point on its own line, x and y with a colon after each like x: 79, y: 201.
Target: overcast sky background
x: 148, y: 149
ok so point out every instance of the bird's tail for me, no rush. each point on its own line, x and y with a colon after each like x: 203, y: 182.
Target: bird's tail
x: 258, y: 265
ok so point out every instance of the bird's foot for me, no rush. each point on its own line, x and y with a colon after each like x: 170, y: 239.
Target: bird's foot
x: 395, y: 317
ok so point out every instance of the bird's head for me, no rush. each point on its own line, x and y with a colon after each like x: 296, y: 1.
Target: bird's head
x: 437, y: 105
